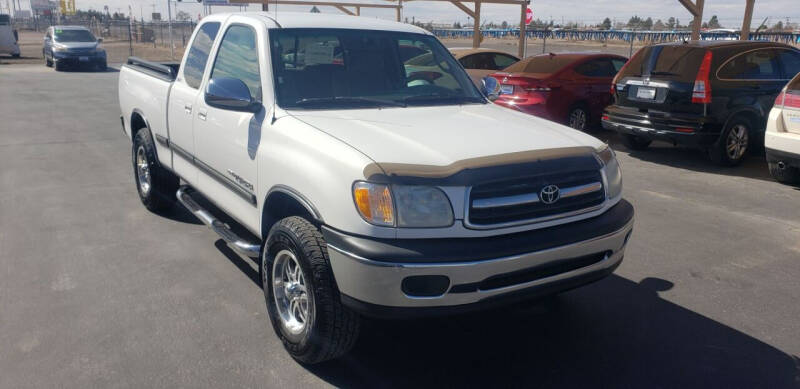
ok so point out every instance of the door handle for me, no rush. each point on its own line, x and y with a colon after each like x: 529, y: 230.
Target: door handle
x: 202, y: 115
x: 188, y: 109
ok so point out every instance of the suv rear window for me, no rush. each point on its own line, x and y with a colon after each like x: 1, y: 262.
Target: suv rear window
x: 678, y: 63
x: 541, y: 64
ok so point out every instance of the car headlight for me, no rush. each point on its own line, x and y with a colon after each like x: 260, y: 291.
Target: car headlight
x: 59, y: 49
x: 613, y: 173
x: 415, y: 206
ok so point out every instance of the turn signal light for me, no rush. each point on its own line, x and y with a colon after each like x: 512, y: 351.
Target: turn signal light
x: 374, y: 203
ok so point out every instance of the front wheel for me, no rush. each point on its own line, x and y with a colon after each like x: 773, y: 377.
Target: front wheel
x: 302, y: 299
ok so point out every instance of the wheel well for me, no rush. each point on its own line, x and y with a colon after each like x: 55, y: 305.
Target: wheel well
x: 137, y: 123
x: 753, y: 117
x: 279, y: 205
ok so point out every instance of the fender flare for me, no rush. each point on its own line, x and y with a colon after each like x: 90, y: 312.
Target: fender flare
x: 296, y: 195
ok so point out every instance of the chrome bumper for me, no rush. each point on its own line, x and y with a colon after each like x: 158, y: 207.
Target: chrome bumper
x: 379, y: 283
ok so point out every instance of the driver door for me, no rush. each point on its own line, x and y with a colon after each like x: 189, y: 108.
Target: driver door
x: 227, y: 141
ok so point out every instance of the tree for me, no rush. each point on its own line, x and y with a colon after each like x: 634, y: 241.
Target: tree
x: 634, y: 21
x: 778, y: 27
x: 659, y: 25
x: 714, y: 22
x: 671, y: 23
x: 504, y: 25
x: 648, y: 24
x: 314, y: 10
x: 606, y: 24
x: 457, y: 25
x: 183, y: 16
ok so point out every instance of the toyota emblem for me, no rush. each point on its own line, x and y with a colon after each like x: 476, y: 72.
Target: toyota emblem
x: 550, y: 194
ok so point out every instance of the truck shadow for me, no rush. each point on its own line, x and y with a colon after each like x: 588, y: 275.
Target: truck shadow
x: 754, y: 166
x: 614, y: 333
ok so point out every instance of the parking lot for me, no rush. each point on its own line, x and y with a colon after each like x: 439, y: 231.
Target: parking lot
x: 95, y: 291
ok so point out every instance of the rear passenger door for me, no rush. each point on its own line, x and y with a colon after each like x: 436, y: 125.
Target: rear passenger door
x: 227, y: 141
x: 181, y: 109
x: 752, y: 78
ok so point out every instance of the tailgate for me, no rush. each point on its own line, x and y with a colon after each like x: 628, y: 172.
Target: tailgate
x: 662, y: 78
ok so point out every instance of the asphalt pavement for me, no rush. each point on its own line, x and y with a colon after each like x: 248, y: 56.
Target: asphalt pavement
x: 95, y: 291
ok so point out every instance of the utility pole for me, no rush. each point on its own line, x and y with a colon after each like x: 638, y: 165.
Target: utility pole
x: 169, y: 24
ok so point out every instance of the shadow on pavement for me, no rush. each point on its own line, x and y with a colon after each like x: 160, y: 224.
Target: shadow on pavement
x: 754, y: 166
x: 614, y: 333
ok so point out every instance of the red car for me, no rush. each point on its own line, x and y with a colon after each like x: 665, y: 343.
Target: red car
x: 569, y: 88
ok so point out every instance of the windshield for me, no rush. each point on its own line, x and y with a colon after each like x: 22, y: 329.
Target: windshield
x: 74, y: 36
x: 342, y: 68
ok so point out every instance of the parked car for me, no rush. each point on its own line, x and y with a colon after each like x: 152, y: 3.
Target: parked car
x: 8, y: 37
x: 569, y: 88
x: 713, y: 95
x: 72, y: 46
x: 480, y: 63
x: 782, y: 139
x: 364, y: 187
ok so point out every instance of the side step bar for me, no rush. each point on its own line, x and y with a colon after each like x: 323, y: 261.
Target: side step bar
x: 235, y: 242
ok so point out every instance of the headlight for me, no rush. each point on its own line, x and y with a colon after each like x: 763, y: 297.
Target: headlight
x: 613, y: 172
x: 422, y: 206
x: 416, y: 206
x: 59, y: 49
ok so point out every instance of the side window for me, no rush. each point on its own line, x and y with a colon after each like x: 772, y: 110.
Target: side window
x: 502, y: 61
x: 753, y: 65
x: 618, y: 64
x: 596, y: 68
x: 470, y: 61
x: 790, y: 60
x: 237, y: 57
x: 198, y: 54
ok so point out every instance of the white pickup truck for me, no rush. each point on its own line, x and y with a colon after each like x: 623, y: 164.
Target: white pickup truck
x: 367, y: 186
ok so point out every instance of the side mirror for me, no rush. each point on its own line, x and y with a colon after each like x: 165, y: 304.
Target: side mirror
x: 99, y: 40
x: 491, y: 88
x: 231, y: 94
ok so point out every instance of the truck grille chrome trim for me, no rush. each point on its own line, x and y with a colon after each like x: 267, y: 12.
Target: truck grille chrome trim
x: 238, y: 244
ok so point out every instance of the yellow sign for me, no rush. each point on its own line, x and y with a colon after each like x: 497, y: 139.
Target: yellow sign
x: 67, y: 7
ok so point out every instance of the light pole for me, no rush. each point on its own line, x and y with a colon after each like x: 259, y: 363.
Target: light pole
x: 169, y: 28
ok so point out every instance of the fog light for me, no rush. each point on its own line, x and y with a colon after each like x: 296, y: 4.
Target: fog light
x: 425, y: 286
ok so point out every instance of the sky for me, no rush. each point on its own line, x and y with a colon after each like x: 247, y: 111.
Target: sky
x: 729, y: 12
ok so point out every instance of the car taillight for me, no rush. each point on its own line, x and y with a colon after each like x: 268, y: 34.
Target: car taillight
x: 792, y: 100
x: 701, y: 93
x: 622, y: 69
x: 779, y: 100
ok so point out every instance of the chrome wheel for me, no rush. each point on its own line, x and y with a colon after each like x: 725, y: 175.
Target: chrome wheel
x: 295, y: 305
x: 577, y: 119
x: 737, y: 141
x: 143, y: 171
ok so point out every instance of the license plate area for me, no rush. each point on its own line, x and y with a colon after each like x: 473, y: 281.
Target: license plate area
x: 83, y: 59
x: 506, y: 89
x: 645, y: 93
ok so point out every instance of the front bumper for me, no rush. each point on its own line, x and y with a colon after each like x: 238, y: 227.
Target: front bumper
x: 372, y: 276
x: 79, y: 59
x: 686, y: 129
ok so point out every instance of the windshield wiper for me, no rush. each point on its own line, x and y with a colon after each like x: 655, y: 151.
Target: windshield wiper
x: 438, y: 97
x: 347, y: 100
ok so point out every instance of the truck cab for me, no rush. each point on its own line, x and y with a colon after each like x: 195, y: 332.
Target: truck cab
x: 365, y: 185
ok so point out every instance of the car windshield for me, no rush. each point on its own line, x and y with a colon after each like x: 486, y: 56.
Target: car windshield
x: 74, y: 36
x: 343, y: 68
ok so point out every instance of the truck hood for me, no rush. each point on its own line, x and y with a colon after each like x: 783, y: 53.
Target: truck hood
x: 442, y: 135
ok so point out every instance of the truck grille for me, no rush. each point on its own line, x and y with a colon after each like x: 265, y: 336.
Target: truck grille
x: 519, y: 200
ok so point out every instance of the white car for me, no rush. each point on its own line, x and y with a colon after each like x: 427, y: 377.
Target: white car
x: 782, y: 139
x: 368, y: 187
x: 8, y: 37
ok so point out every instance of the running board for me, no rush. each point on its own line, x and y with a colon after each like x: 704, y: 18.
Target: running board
x: 235, y: 242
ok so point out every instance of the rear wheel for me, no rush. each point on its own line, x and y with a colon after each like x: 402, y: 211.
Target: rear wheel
x: 156, y: 185
x: 784, y: 174
x: 634, y: 142
x: 732, y: 145
x: 578, y: 118
x: 302, y: 298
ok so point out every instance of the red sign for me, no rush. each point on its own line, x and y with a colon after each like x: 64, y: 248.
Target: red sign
x: 528, y: 16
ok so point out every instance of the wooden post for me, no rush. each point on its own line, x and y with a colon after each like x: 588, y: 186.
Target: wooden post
x: 476, y: 29
x: 748, y: 18
x: 698, y: 21
x: 358, y: 11
x: 399, y: 6
x: 522, y: 38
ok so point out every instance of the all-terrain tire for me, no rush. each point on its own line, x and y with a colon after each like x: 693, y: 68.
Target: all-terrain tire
x: 159, y: 193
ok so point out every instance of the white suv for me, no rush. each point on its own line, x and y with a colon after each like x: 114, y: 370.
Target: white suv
x: 782, y: 139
